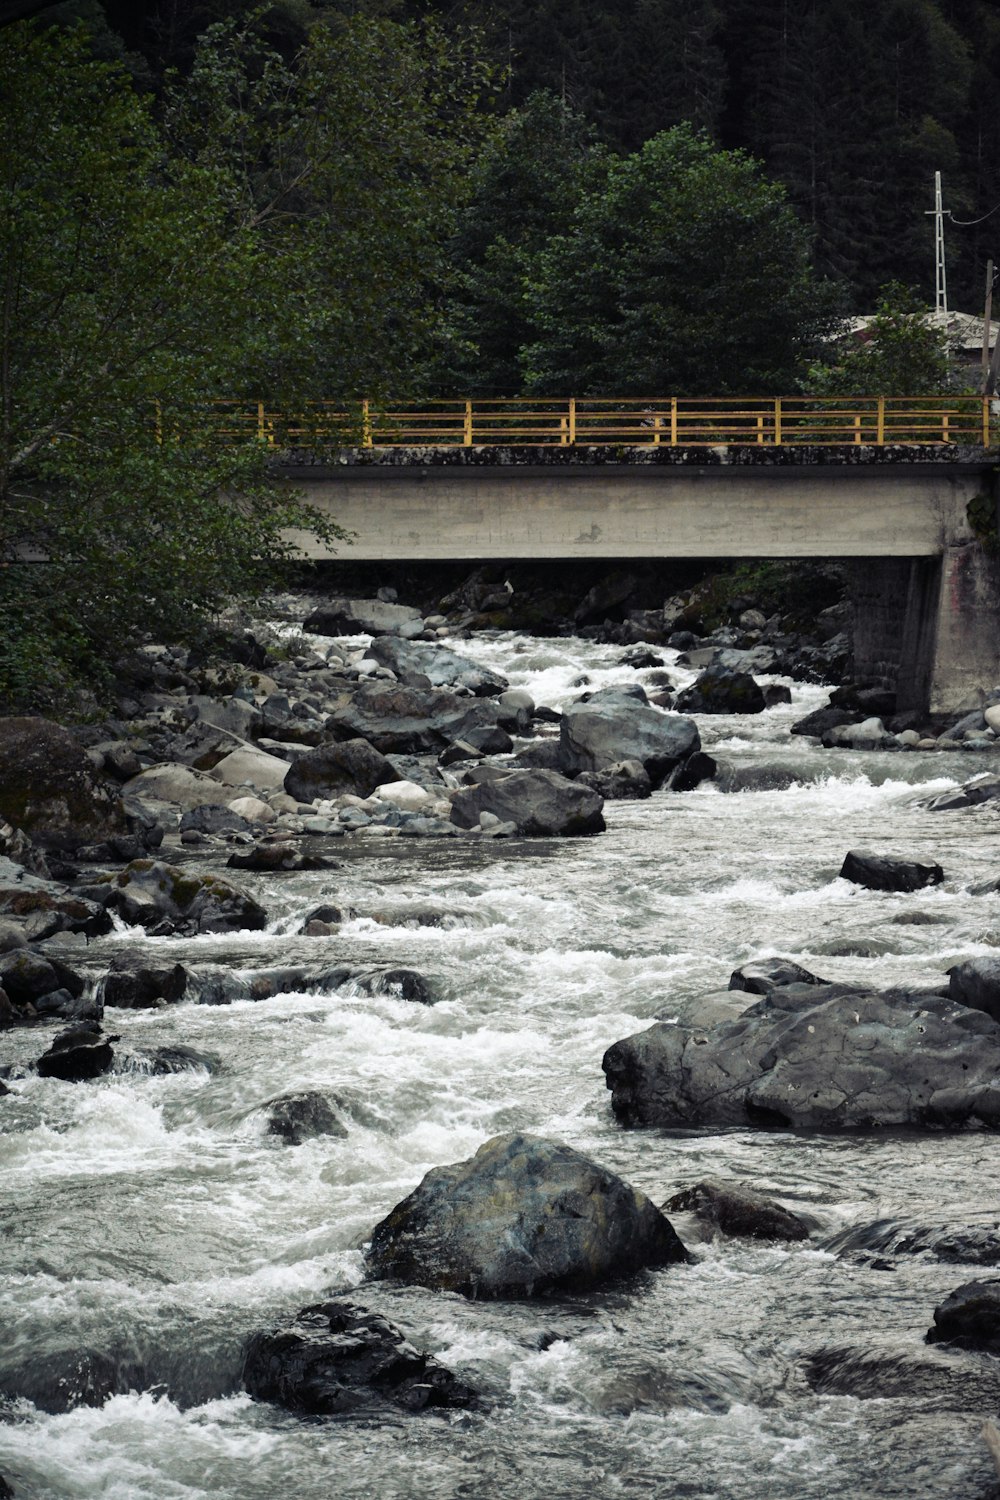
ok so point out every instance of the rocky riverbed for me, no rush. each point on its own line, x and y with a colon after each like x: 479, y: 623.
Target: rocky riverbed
x: 309, y: 963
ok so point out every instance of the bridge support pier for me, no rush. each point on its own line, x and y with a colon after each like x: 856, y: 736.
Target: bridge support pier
x: 929, y: 627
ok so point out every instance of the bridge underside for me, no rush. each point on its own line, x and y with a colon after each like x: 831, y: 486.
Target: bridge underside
x: 927, y: 593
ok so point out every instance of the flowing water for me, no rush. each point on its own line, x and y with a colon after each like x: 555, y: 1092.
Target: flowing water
x: 152, y: 1219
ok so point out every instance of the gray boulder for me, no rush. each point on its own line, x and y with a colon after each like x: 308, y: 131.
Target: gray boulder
x: 721, y: 690
x: 176, y: 783
x: 613, y: 726
x: 732, y: 1208
x: 627, y: 781
x: 763, y: 975
x: 441, y: 667
x: 815, y: 1056
x: 352, y: 766
x: 409, y: 721
x: 36, y: 901
x: 522, y: 1217
x: 364, y: 617
x: 870, y: 734
x: 303, y: 1116
x: 881, y: 872
x: 539, y: 803
x: 165, y: 899
x: 135, y: 984
x: 336, y: 1356
x: 976, y: 983
x: 980, y: 789
x: 969, y: 1318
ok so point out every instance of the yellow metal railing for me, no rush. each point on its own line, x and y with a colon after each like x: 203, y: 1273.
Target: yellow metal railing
x: 676, y: 422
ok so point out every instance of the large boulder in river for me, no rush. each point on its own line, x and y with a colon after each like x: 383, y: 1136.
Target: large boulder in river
x: 364, y: 617
x: 882, y: 872
x: 165, y: 899
x: 969, y: 1317
x: 815, y: 1056
x: 521, y: 1217
x: 339, y: 766
x: 976, y: 983
x: 337, y: 1356
x: 441, y: 667
x: 50, y: 790
x: 539, y: 803
x: 719, y: 690
x: 614, y: 725
x: 408, y: 721
x: 178, y: 784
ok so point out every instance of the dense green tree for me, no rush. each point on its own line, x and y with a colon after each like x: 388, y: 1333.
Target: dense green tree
x: 146, y: 272
x: 687, y: 273
x: 524, y: 189
x: 897, y: 353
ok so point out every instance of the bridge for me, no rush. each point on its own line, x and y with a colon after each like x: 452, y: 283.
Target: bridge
x: 902, y: 490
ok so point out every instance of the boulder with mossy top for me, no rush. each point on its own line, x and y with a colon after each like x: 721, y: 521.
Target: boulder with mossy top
x: 167, y: 899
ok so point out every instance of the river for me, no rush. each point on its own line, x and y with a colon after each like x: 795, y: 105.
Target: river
x: 152, y: 1219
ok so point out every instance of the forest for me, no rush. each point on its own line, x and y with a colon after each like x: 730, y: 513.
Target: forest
x: 202, y: 201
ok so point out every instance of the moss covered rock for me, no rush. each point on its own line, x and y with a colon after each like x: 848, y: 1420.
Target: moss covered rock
x: 164, y: 898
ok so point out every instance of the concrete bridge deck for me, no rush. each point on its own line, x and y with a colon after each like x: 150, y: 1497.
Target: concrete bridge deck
x: 927, y: 591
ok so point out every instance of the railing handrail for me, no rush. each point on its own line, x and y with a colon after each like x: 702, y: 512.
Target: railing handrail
x: 631, y: 421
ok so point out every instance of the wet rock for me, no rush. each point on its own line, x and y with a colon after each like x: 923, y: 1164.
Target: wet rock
x: 640, y: 657
x: 721, y: 690
x: 16, y: 849
x: 213, y: 818
x: 223, y: 986
x: 692, y: 772
x: 975, y: 983
x: 613, y: 726
x: 815, y: 1057
x: 350, y: 766
x: 823, y: 719
x: 301, y: 1117
x: 972, y: 1245
x: 627, y: 781
x: 276, y: 858
x: 517, y: 709
x: 76, y: 1055
x: 969, y: 1318
x: 881, y: 872
x: 60, y: 1382
x: 869, y: 734
x: 161, y: 897
x: 406, y: 721
x: 761, y: 778
x: 181, y: 1059
x: 337, y: 1356
x: 364, y: 617
x: 971, y: 794
x: 134, y: 984
x: 541, y: 755
x: 869, y: 1375
x: 440, y: 667
x: 776, y: 693
x: 763, y: 975
x: 50, y: 790
x: 734, y: 1209
x: 539, y: 804
x: 27, y: 977
x: 522, y: 1217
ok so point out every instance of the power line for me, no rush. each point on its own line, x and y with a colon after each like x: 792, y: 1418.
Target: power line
x: 968, y: 223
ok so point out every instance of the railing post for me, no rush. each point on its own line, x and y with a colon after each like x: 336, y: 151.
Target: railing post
x: 572, y: 420
x: 159, y: 423
x: 261, y: 427
x: 468, y: 424
x: 880, y: 423
x: 673, y: 421
x: 760, y: 430
x: 944, y: 428
x: 777, y: 421
x: 657, y: 422
x: 857, y: 429
x: 986, y: 421
x: 366, y: 425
